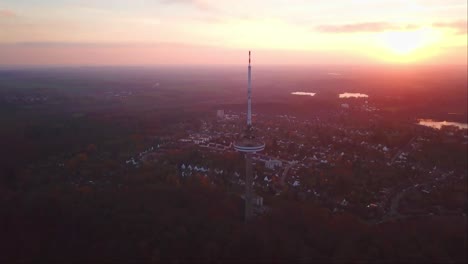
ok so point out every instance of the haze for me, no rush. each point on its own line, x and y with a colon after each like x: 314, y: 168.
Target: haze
x: 146, y: 131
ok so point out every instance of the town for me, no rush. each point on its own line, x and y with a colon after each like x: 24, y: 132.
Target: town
x: 369, y: 169
x: 342, y: 167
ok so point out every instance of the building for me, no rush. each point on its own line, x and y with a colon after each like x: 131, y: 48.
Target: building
x: 220, y: 114
x: 272, y: 164
x: 257, y: 200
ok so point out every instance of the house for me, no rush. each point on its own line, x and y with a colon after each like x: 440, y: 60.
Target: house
x: 344, y: 202
x: 272, y: 164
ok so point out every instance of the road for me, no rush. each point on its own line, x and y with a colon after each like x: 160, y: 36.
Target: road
x: 402, y: 149
x: 395, y: 201
x: 285, y: 173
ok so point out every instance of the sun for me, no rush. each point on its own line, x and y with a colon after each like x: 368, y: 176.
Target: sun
x: 408, y: 45
x: 404, y: 42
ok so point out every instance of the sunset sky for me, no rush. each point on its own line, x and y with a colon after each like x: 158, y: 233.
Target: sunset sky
x: 142, y: 32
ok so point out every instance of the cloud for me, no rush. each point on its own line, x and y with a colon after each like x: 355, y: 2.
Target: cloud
x: 459, y: 26
x: 198, y: 4
x: 363, y: 27
x: 76, y: 53
x: 74, y: 45
x: 7, y: 13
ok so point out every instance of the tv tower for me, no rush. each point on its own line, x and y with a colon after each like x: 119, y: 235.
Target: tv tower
x: 248, y: 144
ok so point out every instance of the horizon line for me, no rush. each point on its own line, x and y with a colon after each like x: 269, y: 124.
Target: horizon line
x: 402, y: 64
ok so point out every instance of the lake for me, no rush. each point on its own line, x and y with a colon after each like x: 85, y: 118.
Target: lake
x: 439, y: 124
x: 303, y: 93
x: 353, y: 95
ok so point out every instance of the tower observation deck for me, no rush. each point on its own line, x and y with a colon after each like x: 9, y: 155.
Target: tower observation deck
x: 247, y: 143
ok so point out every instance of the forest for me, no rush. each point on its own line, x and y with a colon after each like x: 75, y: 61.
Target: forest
x: 67, y: 195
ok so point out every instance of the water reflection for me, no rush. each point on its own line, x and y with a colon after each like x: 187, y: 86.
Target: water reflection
x: 439, y: 124
x: 352, y: 95
x: 303, y: 93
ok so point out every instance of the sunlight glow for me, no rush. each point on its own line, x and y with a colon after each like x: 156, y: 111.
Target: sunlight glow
x: 407, y: 46
x: 404, y: 42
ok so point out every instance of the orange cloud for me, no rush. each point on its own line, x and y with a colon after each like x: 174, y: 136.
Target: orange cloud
x: 459, y: 26
x: 7, y: 13
x: 363, y: 27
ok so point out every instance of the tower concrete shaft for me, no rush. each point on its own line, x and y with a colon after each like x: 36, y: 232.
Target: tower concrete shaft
x: 248, y: 187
